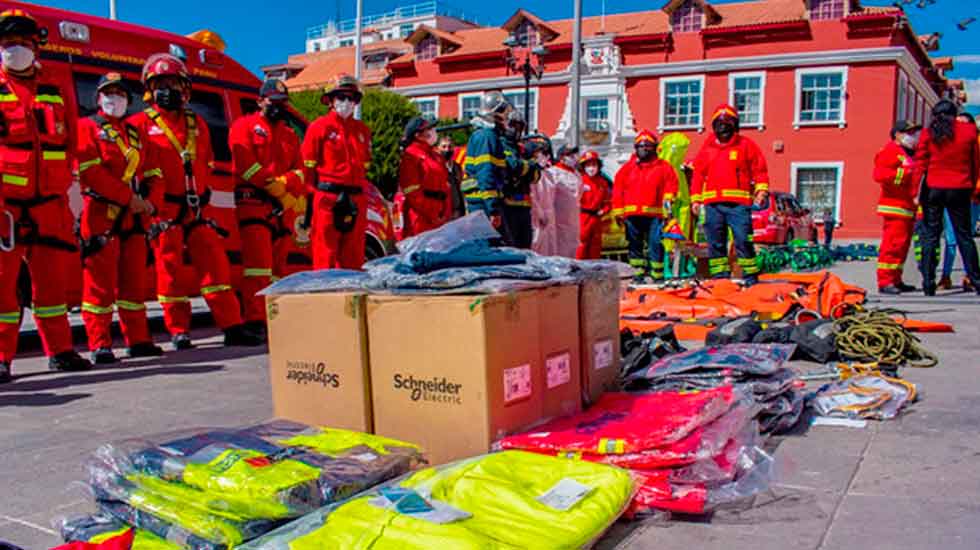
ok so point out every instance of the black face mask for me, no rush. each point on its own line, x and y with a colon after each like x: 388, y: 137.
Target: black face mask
x: 274, y: 112
x: 644, y: 154
x: 448, y: 155
x: 724, y: 130
x: 169, y: 99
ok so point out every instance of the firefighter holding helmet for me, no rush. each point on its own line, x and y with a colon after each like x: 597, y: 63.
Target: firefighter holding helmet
x: 181, y: 142
x: 36, y: 150
x: 336, y: 154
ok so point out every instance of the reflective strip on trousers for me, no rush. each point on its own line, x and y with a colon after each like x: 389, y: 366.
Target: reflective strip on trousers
x: 96, y: 309
x: 889, y: 267
x: 257, y: 272
x: 48, y: 312
x: 214, y: 289
x: 130, y: 306
x: 10, y: 318
x: 172, y: 299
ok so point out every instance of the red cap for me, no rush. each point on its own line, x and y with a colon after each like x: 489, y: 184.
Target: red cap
x: 725, y: 110
x: 589, y: 156
x: 645, y: 136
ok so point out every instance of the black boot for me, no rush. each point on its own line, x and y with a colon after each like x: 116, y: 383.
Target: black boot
x: 104, y: 356
x: 239, y: 335
x: 182, y: 341
x: 257, y: 327
x: 144, y: 349
x: 890, y: 290
x: 906, y: 288
x: 5, y: 372
x: 929, y: 289
x: 69, y: 361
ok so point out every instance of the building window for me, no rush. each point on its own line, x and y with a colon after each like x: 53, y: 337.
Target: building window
x: 682, y: 102
x: 346, y: 42
x: 316, y: 46
x: 747, y: 92
x: 526, y: 34
x: 516, y: 98
x: 427, y: 49
x: 428, y: 106
x: 406, y: 29
x: 817, y: 186
x: 597, y: 115
x: 826, y: 9
x: 689, y: 17
x: 469, y: 106
x: 821, y: 96
x: 902, y: 101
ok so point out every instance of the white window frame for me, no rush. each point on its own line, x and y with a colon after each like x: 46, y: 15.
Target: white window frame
x: 839, y: 165
x: 798, y: 100
x: 459, y: 103
x: 535, y: 103
x: 609, y: 112
x: 432, y: 98
x: 663, y: 103
x: 902, y: 97
x: 761, y: 75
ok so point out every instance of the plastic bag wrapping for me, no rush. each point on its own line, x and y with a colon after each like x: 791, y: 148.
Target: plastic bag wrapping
x: 472, y: 227
x: 324, y: 280
x: 99, y: 528
x: 543, y: 220
x: 216, y: 488
x: 567, y: 192
x: 505, y: 500
x: 750, y: 359
x: 869, y: 397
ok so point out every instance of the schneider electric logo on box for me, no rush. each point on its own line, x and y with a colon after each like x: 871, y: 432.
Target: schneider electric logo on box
x: 434, y: 390
x: 309, y: 372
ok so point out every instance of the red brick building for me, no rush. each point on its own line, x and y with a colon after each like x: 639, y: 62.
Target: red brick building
x: 819, y: 83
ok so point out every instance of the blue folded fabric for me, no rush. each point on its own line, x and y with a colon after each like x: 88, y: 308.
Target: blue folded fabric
x: 467, y: 254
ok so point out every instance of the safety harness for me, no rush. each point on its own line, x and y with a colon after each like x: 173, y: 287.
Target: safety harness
x: 247, y: 191
x: 190, y: 202
x: 131, y: 152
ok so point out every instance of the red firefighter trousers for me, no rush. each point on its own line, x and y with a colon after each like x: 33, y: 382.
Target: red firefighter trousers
x: 590, y: 237
x: 896, y: 239
x: 116, y: 274
x: 255, y: 225
x: 331, y: 248
x: 47, y: 267
x: 212, y: 269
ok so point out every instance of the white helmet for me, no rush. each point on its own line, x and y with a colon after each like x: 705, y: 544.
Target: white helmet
x: 495, y: 108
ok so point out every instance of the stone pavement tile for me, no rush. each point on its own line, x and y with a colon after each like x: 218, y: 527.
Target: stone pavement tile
x: 28, y: 537
x: 825, y: 459
x: 39, y: 481
x: 923, y: 467
x: 898, y: 523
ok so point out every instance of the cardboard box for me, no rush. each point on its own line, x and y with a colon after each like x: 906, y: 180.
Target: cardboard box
x: 455, y: 373
x: 599, y: 320
x: 561, y: 376
x: 318, y: 359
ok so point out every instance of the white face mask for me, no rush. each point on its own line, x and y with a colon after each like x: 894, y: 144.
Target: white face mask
x: 18, y: 58
x: 542, y: 159
x: 113, y: 105
x: 910, y: 141
x: 569, y: 161
x: 344, y: 107
x: 591, y: 170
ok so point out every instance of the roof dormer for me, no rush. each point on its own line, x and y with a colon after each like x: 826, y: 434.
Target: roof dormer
x: 823, y: 10
x: 690, y: 15
x: 528, y: 30
x: 430, y: 43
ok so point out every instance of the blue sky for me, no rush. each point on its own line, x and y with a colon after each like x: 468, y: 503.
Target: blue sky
x: 260, y: 32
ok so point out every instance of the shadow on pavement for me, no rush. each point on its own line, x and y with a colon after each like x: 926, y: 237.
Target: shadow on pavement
x: 59, y: 381
x: 39, y: 399
x: 210, y: 353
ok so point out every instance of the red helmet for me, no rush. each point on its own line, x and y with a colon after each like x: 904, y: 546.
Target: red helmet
x: 17, y: 21
x: 590, y: 156
x: 164, y: 64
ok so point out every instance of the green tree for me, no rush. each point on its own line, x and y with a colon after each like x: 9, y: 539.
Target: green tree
x: 461, y: 135
x: 308, y: 104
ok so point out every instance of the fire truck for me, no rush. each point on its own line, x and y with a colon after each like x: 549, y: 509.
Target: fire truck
x: 81, y: 48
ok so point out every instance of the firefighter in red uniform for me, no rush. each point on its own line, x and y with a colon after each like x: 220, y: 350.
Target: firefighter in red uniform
x: 639, y: 196
x: 336, y: 153
x: 35, y: 163
x: 593, y: 205
x: 114, y: 171
x: 423, y: 178
x: 181, y: 143
x: 893, y: 172
x: 729, y: 171
x: 267, y: 164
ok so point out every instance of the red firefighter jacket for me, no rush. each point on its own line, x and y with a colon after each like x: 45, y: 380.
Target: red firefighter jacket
x: 893, y: 171
x: 191, y: 133
x: 595, y: 197
x: 952, y: 165
x: 641, y: 187
x: 36, y: 146
x: 731, y: 172
x: 424, y: 181
x: 337, y: 150
x: 262, y: 151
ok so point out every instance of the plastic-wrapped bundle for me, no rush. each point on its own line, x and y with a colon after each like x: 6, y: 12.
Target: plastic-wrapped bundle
x: 99, y: 529
x: 873, y: 397
x: 505, y: 500
x: 216, y: 488
x: 324, y: 280
x: 746, y: 359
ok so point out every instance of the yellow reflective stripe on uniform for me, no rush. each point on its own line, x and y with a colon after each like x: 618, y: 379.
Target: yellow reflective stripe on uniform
x: 10, y: 318
x: 46, y: 312
x: 896, y: 211
x: 411, y: 189
x: 214, y: 289
x: 482, y: 195
x: 484, y: 159
x: 709, y: 195
x: 96, y: 309
x: 130, y: 306
x: 630, y: 209
x: 695, y: 198
x: 172, y: 299
x: 257, y: 272
x: 899, y: 176
x: 764, y: 186
x: 300, y: 175
x: 83, y: 166
x: 54, y: 155
x: 19, y: 181
x: 49, y: 98
x: 652, y: 210
x: 611, y: 446
x: 309, y: 163
x: 252, y: 170
x: 514, y: 202
x: 153, y: 172
x: 8, y: 98
x: 637, y: 262
x: 737, y: 193
x: 888, y: 266
x: 617, y: 212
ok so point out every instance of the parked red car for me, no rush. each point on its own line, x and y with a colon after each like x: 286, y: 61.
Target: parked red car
x: 781, y: 220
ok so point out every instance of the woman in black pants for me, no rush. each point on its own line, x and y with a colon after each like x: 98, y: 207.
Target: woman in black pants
x: 948, y: 157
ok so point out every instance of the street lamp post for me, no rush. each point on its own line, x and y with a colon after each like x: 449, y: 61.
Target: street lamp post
x: 526, y: 69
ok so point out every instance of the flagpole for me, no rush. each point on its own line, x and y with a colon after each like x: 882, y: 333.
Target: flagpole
x: 357, y: 49
x: 112, y: 10
x: 576, y: 72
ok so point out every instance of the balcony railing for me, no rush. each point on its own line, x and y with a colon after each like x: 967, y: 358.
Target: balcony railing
x: 422, y: 9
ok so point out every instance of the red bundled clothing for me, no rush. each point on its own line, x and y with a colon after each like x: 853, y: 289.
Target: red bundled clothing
x: 424, y: 182
x: 593, y: 204
x: 640, y: 188
x: 730, y: 172
x: 952, y: 165
x: 336, y: 153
